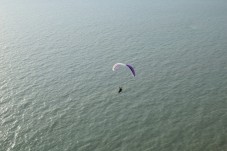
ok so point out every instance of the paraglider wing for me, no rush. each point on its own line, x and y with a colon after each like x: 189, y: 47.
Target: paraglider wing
x: 116, y: 66
x: 132, y: 69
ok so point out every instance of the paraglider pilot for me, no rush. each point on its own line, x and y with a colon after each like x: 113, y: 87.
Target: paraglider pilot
x: 120, y: 90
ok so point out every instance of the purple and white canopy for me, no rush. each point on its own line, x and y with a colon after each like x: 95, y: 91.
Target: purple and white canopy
x: 116, y: 66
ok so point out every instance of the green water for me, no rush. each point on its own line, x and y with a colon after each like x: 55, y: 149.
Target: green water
x: 58, y: 91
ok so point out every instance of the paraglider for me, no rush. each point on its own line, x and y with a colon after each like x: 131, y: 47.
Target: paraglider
x: 117, y: 65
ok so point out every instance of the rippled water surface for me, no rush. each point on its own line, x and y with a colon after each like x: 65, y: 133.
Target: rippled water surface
x: 58, y: 92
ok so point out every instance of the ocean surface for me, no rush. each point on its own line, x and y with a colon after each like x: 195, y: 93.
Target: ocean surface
x: 58, y: 91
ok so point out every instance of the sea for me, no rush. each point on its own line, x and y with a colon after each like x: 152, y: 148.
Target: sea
x: 58, y: 91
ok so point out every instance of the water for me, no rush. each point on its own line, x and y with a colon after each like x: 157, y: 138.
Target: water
x: 58, y: 92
